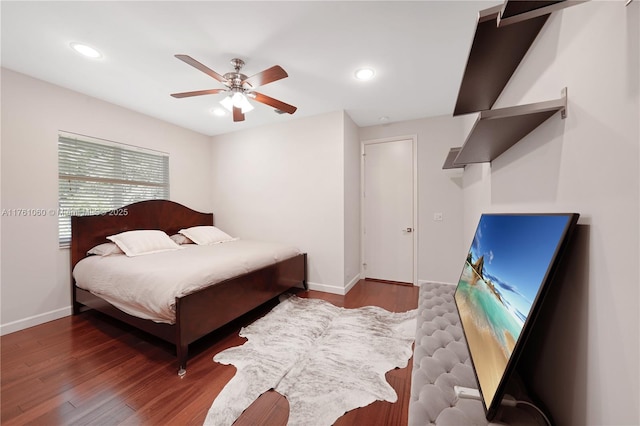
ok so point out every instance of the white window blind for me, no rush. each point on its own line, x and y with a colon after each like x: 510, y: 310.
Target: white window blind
x: 95, y: 177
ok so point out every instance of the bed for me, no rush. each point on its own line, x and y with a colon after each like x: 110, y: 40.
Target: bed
x: 197, y: 313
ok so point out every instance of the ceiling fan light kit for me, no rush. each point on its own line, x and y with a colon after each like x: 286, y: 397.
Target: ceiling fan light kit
x: 237, y: 100
x: 239, y: 87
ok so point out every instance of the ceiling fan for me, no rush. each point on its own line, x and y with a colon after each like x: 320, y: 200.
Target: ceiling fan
x: 239, y: 87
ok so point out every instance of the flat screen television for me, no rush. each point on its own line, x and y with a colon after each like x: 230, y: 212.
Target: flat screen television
x: 508, y: 269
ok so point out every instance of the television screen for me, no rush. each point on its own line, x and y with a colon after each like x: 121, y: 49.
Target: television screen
x: 511, y: 260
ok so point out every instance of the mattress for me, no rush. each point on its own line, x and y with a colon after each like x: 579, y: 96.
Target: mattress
x: 147, y: 286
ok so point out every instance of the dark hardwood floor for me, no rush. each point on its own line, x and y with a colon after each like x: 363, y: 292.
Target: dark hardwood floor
x: 89, y: 369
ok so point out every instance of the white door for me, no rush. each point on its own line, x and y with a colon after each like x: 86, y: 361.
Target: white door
x: 388, y: 196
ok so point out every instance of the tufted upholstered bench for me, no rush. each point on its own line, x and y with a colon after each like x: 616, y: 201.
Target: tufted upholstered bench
x: 441, y: 361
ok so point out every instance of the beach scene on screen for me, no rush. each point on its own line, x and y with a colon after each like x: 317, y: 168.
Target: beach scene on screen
x: 502, y: 275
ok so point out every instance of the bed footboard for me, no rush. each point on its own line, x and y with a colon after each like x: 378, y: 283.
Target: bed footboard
x: 198, y: 314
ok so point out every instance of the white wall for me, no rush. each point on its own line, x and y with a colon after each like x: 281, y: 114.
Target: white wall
x: 285, y: 182
x: 352, y: 225
x: 584, y: 363
x: 35, y: 272
x: 440, y: 252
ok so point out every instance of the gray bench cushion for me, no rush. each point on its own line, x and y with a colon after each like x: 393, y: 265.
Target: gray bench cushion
x: 441, y: 361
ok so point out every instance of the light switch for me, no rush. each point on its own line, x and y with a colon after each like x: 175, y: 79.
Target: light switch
x: 437, y: 217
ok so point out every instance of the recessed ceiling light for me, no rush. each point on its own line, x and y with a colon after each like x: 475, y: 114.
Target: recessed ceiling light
x: 85, y: 50
x: 218, y: 112
x: 365, y: 74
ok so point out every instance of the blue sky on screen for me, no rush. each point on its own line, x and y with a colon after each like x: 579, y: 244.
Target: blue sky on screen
x: 517, y: 251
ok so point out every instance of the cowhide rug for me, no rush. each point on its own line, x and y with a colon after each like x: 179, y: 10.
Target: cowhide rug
x: 324, y: 359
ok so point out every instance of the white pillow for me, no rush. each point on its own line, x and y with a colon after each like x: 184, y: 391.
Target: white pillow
x: 147, y: 241
x: 105, y: 249
x: 180, y: 239
x: 205, y: 235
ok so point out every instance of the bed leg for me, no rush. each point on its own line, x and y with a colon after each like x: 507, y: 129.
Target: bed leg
x: 304, y: 276
x: 74, y: 302
x: 182, y: 352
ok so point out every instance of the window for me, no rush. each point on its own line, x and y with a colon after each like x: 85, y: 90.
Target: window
x: 96, y: 176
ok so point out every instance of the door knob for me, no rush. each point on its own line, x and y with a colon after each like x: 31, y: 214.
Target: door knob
x: 407, y: 230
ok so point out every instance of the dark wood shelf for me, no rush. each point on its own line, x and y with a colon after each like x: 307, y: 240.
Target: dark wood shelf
x: 451, y: 156
x: 503, y: 36
x: 512, y: 8
x: 514, y: 11
x: 497, y: 130
x: 495, y: 54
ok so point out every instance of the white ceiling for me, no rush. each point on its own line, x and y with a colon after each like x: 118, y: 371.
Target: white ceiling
x: 418, y: 49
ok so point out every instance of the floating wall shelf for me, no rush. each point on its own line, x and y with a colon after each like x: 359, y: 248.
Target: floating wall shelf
x: 495, y: 54
x: 503, y: 36
x: 497, y: 130
x: 449, y: 162
x: 514, y: 11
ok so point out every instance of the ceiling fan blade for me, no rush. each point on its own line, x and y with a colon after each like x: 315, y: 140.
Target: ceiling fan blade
x: 273, y: 102
x: 197, y: 93
x: 267, y: 76
x: 237, y: 114
x: 189, y: 60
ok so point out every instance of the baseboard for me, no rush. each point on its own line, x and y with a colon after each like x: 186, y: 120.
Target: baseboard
x: 32, y: 321
x: 334, y: 289
x: 420, y: 282
x: 351, y: 283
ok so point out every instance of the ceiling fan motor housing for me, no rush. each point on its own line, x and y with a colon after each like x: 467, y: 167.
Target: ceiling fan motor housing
x: 234, y: 79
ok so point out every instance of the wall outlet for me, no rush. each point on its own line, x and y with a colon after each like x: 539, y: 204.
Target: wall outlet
x: 437, y: 217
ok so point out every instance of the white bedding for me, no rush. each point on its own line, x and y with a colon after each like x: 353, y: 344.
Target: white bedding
x: 146, y: 286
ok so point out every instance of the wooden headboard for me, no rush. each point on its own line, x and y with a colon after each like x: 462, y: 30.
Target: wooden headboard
x: 168, y: 216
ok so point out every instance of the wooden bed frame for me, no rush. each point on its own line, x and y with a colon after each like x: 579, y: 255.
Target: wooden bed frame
x: 198, y: 313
